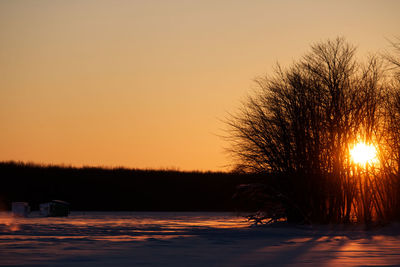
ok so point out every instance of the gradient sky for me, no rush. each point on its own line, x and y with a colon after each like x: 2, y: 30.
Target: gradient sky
x: 144, y: 84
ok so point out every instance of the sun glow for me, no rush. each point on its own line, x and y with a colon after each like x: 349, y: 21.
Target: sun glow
x: 363, y: 154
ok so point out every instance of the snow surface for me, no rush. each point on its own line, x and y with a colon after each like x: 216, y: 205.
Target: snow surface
x: 187, y: 239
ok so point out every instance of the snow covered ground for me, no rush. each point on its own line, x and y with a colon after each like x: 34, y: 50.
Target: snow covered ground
x: 187, y: 239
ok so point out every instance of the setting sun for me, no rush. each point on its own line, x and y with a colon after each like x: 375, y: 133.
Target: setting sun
x: 363, y: 154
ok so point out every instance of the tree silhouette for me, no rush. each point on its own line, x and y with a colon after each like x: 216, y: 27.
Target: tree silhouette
x: 302, y: 121
x: 390, y: 159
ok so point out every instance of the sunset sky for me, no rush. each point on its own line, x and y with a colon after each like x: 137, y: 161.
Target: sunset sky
x: 145, y: 84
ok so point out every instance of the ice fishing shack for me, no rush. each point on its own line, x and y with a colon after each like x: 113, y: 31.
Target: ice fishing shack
x: 55, y: 208
x: 20, y: 209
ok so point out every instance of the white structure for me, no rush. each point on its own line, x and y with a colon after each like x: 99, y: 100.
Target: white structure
x: 54, y: 208
x: 20, y: 209
x: 45, y: 209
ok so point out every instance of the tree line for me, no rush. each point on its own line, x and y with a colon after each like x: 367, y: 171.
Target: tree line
x: 121, y: 189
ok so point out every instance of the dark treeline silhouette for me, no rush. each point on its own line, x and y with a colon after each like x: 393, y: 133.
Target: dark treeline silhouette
x: 302, y: 122
x: 119, y: 189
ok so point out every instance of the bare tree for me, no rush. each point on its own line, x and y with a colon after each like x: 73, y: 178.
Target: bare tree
x: 390, y: 156
x: 302, y: 121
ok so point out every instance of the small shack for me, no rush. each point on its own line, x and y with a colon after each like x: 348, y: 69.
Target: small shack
x: 20, y: 209
x: 55, y: 208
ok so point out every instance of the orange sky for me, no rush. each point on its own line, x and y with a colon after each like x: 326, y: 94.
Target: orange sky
x: 145, y: 84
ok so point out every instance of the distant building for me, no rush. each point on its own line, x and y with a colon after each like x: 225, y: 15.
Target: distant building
x: 55, y: 208
x: 20, y: 209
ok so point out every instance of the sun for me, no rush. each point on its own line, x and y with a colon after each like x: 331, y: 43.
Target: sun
x: 363, y: 154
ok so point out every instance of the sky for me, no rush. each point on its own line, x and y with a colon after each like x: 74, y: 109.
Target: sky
x: 147, y: 84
